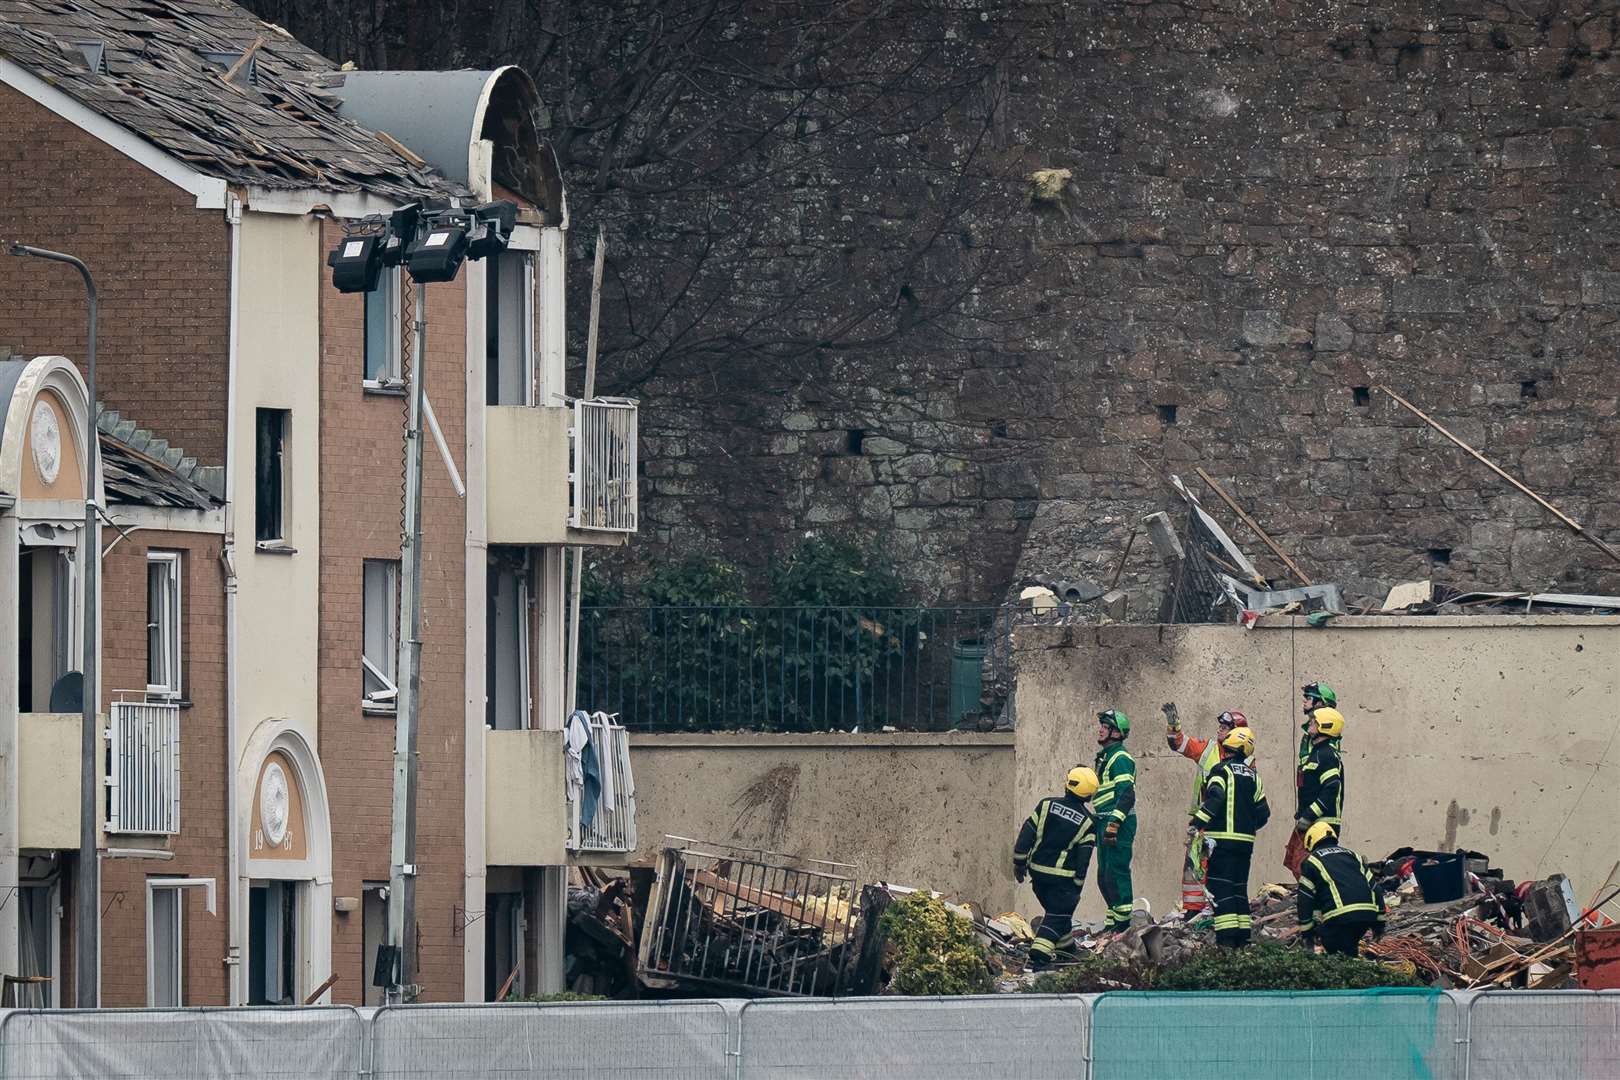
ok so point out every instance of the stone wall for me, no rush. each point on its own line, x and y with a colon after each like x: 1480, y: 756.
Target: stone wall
x: 1272, y: 208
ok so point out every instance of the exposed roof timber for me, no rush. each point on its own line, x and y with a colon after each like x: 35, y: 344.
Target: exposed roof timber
x: 208, y: 190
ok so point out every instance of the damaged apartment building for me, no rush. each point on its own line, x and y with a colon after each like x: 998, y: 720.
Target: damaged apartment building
x: 250, y: 422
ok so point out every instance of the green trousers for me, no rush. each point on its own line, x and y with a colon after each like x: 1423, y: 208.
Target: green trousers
x: 1114, y: 874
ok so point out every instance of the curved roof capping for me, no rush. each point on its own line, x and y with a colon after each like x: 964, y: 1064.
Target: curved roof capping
x: 229, y: 94
x: 445, y: 116
x: 44, y: 435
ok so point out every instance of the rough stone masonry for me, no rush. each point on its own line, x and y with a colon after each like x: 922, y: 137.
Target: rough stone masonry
x: 1271, y: 207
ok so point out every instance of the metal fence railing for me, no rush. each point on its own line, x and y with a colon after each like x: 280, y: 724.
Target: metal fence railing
x: 604, y: 465
x: 786, y: 668
x: 143, y: 768
x: 612, y: 826
x: 1325, y: 1035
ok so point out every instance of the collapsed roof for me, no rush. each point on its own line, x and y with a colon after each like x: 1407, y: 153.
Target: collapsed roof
x: 206, y: 81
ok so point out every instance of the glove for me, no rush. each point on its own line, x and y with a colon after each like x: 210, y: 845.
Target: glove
x: 1020, y: 873
x: 1172, y: 719
x: 1302, y: 824
x: 1110, y: 835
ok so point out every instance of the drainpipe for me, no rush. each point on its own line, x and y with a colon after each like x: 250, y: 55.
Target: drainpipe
x: 235, y: 971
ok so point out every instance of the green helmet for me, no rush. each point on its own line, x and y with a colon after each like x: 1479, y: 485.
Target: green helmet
x: 1116, y: 720
x: 1321, y: 693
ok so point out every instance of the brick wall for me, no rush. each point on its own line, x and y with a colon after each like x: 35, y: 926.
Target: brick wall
x: 161, y: 268
x: 362, y: 486
x: 200, y: 848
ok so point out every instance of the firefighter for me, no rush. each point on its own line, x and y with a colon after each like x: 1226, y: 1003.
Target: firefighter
x: 1053, y: 850
x: 1316, y: 696
x: 1207, y: 754
x: 1338, y: 901
x: 1233, y: 811
x: 1115, y: 808
x: 1321, y: 777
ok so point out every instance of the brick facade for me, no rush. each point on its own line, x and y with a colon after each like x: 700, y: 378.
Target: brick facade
x: 199, y: 849
x: 362, y: 489
x: 161, y: 266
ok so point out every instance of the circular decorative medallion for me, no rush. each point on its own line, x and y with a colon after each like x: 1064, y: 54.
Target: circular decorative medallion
x: 274, y: 803
x: 47, y: 442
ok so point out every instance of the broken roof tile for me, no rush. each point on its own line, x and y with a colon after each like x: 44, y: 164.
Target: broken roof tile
x: 160, y: 84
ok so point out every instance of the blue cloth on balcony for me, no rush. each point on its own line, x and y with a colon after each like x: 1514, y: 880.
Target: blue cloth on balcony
x: 588, y: 777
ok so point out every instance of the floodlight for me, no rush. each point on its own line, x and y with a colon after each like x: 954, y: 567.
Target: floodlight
x: 437, y: 255
x: 356, y: 263
x: 493, y: 223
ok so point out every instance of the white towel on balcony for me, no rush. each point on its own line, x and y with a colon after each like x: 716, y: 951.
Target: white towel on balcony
x: 575, y: 739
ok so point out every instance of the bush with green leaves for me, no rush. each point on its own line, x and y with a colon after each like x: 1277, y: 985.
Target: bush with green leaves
x: 934, y: 951
x: 1261, y: 966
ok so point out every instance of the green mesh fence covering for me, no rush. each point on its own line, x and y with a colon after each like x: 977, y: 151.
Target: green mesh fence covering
x: 1319, y: 1035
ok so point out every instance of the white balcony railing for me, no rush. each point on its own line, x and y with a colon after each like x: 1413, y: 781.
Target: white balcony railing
x: 613, y: 828
x: 143, y: 768
x: 602, y: 475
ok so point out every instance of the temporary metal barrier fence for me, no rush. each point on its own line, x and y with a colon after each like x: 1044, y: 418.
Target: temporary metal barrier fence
x: 786, y: 668
x: 1387, y: 1035
x: 315, y: 1043
x: 1023, y: 1037
x: 668, y: 1040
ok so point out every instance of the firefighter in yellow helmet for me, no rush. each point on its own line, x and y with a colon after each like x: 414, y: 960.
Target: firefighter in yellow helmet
x: 1321, y: 775
x: 1233, y: 811
x: 1338, y: 900
x: 1053, y: 850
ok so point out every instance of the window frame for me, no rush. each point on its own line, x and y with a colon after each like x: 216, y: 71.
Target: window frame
x: 391, y: 373
x: 381, y: 700
x: 174, y: 687
x: 272, y: 539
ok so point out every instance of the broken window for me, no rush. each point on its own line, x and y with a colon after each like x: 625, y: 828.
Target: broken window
x: 380, y: 619
x: 163, y: 623
x: 164, y: 970
x: 509, y: 328
x: 383, y: 342
x: 270, y: 470
x: 506, y: 701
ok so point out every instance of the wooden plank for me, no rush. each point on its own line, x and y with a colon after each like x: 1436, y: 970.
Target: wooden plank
x: 1574, y: 525
x: 1299, y: 575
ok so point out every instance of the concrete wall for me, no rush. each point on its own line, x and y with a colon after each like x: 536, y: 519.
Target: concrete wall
x: 48, y: 764
x: 526, y: 816
x: 1491, y: 733
x: 916, y: 809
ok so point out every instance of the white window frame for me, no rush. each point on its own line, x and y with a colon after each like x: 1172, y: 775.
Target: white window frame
x: 390, y: 285
x: 172, y: 635
x: 179, y: 885
x: 278, y: 543
x: 380, y: 700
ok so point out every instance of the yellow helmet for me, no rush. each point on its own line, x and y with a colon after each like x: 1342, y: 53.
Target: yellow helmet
x: 1329, y: 721
x: 1240, y: 741
x: 1317, y: 833
x: 1082, y: 781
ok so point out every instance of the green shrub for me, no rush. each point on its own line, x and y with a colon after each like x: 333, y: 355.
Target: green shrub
x: 695, y: 581
x: 1269, y: 966
x: 831, y: 572
x: 935, y: 952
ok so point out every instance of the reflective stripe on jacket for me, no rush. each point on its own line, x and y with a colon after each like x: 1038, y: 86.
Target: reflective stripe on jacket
x: 1234, y: 806
x: 1333, y: 883
x: 1116, y: 789
x: 1321, y: 785
x: 1057, y: 838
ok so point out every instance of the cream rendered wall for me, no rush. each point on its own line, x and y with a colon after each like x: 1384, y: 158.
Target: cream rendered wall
x: 1491, y: 733
x: 48, y: 764
x: 278, y: 367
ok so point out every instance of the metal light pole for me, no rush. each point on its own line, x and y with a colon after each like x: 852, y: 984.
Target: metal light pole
x: 87, y: 913
x: 402, y: 860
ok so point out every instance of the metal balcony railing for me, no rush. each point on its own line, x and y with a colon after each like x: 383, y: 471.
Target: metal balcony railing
x: 613, y: 827
x: 602, y: 476
x: 143, y: 768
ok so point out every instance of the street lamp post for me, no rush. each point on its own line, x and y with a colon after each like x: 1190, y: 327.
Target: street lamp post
x: 87, y: 917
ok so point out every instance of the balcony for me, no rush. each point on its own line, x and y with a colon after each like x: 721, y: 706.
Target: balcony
x: 561, y: 474
x: 612, y: 826
x: 525, y: 808
x: 48, y: 752
x: 143, y: 768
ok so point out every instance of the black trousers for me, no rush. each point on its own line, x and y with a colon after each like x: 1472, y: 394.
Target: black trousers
x: 1229, y: 884
x: 1343, y: 934
x: 1058, y: 897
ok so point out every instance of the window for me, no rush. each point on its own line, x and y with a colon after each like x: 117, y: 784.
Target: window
x: 270, y: 463
x: 383, y: 331
x: 373, y: 930
x: 164, y: 970
x: 506, y: 692
x: 163, y: 623
x: 508, y: 328
x: 380, y: 618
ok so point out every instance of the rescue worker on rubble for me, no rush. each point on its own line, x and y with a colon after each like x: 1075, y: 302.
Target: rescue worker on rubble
x: 1115, y: 807
x: 1338, y: 901
x: 1207, y: 754
x: 1233, y: 811
x: 1321, y: 777
x: 1318, y: 697
x: 1053, y: 850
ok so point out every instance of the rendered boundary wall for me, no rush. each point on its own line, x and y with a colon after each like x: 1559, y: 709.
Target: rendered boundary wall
x: 1354, y: 1035
x: 1495, y: 733
x: 918, y: 809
